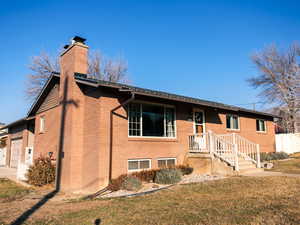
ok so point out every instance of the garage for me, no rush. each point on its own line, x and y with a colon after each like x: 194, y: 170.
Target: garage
x: 16, y: 149
x: 2, y: 156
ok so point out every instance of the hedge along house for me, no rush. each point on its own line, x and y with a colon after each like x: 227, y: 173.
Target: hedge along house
x: 97, y: 130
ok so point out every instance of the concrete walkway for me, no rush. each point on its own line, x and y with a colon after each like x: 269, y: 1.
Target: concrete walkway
x: 270, y: 174
x: 10, y: 173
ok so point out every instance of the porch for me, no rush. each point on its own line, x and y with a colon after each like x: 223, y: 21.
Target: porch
x: 233, y: 149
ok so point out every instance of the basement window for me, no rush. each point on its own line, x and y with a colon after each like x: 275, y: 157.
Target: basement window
x: 260, y: 125
x: 151, y: 120
x: 138, y: 164
x: 232, y: 122
x: 166, y: 162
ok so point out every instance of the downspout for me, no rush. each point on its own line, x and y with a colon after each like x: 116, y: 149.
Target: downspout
x: 112, y: 112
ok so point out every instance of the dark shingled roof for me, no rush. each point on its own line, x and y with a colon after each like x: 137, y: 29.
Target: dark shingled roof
x: 84, y: 79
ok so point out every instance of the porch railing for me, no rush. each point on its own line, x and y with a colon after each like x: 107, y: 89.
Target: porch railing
x: 228, y: 147
x: 198, y: 143
x: 246, y: 149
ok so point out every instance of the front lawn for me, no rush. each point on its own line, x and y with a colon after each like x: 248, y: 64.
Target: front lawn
x: 237, y: 200
x: 10, y: 191
x: 291, y: 165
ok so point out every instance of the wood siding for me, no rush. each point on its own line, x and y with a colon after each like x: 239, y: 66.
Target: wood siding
x: 52, y: 100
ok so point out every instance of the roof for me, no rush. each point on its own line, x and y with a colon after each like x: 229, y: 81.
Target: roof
x: 84, y: 79
x: 15, y: 123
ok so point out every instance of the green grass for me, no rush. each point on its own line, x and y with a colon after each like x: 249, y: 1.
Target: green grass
x: 10, y: 191
x: 287, y: 166
x: 238, y: 200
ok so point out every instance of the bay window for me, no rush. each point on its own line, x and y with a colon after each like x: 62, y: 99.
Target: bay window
x: 150, y: 120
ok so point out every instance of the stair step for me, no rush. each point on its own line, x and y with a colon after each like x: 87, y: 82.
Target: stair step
x: 246, y: 163
x: 243, y: 166
x: 250, y: 170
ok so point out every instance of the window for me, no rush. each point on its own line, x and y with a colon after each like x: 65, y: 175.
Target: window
x: 149, y: 120
x: 42, y: 124
x: 139, y: 164
x: 232, y: 122
x: 166, y: 162
x: 261, y: 125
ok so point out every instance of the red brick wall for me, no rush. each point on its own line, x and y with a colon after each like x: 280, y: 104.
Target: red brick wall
x: 46, y: 141
x: 125, y: 147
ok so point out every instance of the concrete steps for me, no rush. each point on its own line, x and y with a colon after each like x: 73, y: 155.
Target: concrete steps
x: 203, y: 163
x: 247, y: 166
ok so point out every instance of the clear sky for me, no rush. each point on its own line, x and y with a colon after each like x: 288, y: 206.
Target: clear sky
x: 195, y: 48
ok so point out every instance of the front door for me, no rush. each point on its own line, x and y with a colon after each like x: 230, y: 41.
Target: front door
x: 199, y: 129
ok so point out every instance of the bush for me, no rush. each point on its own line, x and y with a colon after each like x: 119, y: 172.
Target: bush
x: 185, y: 169
x: 42, y: 172
x: 131, y: 183
x: 116, y: 184
x: 146, y: 175
x: 273, y: 156
x: 168, y: 176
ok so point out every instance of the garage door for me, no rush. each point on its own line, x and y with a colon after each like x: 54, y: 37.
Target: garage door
x: 16, y: 147
x: 2, y: 156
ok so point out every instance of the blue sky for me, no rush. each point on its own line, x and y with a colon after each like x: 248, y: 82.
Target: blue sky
x: 194, y: 48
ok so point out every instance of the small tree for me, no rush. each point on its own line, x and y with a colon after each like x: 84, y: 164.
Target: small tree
x: 279, y: 80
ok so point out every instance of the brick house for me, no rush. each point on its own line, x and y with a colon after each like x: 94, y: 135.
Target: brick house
x: 97, y: 130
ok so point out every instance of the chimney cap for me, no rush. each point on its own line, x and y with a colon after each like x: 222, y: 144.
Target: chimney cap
x: 78, y: 39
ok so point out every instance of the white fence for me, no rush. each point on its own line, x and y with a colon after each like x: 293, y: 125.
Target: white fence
x: 288, y: 143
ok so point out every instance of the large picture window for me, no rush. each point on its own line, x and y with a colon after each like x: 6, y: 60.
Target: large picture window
x: 150, y: 120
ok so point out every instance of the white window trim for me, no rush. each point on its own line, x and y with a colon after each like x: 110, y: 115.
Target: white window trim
x: 239, y: 124
x: 258, y: 131
x: 141, y: 121
x: 137, y: 170
x: 204, y: 121
x: 167, y: 159
x: 42, y: 124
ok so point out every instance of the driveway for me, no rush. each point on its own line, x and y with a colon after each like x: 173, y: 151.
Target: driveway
x: 10, y: 173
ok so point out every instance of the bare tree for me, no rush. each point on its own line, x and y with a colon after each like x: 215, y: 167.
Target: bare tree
x: 279, y: 80
x: 99, y: 67
x: 41, y: 67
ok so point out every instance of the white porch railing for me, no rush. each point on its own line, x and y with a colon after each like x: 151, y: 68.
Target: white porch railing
x: 198, y: 143
x: 228, y: 147
x: 246, y: 149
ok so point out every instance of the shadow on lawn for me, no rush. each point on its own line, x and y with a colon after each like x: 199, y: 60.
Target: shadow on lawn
x: 21, y: 219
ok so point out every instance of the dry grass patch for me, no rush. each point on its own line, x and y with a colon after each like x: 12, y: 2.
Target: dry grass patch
x: 10, y: 191
x: 238, y: 200
x: 287, y: 166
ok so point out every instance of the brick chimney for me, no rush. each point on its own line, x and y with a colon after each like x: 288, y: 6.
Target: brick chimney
x: 74, y: 59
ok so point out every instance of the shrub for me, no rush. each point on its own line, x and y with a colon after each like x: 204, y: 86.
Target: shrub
x: 273, y: 156
x: 185, y: 169
x: 146, y: 175
x: 116, y: 184
x: 41, y: 172
x: 131, y: 183
x: 168, y: 176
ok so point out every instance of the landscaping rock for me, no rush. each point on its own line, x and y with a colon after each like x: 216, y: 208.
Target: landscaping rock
x: 268, y: 165
x: 197, y: 178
